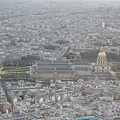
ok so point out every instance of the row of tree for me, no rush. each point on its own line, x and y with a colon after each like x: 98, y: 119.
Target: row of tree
x: 91, y: 55
x: 23, y: 61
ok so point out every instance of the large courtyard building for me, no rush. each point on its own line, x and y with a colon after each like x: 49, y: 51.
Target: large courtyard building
x: 60, y: 70
x: 64, y: 70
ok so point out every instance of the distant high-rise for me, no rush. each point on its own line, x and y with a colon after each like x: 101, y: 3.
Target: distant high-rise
x: 103, y: 25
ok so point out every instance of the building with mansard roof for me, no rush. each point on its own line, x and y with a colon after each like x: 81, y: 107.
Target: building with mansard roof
x: 60, y: 70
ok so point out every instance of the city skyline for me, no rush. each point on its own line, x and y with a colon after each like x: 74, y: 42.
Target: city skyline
x: 59, y: 60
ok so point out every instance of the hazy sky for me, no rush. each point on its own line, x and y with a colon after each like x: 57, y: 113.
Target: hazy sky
x: 70, y: 0
x: 76, y: 0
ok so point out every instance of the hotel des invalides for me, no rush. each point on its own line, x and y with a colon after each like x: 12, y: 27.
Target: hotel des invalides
x: 66, y: 70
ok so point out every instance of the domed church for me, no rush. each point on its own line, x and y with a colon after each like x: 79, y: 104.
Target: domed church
x: 101, y: 64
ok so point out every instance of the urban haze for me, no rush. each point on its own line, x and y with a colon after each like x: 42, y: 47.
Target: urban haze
x: 59, y: 60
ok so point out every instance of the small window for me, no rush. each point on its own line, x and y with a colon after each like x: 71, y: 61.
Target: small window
x: 102, y: 67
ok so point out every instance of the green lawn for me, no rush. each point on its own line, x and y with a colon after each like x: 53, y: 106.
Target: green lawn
x: 16, y: 69
x: 7, y: 68
x: 18, y: 75
x: 15, y: 72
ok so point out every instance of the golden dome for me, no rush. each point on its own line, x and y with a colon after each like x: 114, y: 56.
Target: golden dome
x: 102, y: 52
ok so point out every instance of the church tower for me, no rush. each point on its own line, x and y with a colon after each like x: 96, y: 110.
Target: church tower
x: 101, y: 64
x: 101, y: 59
